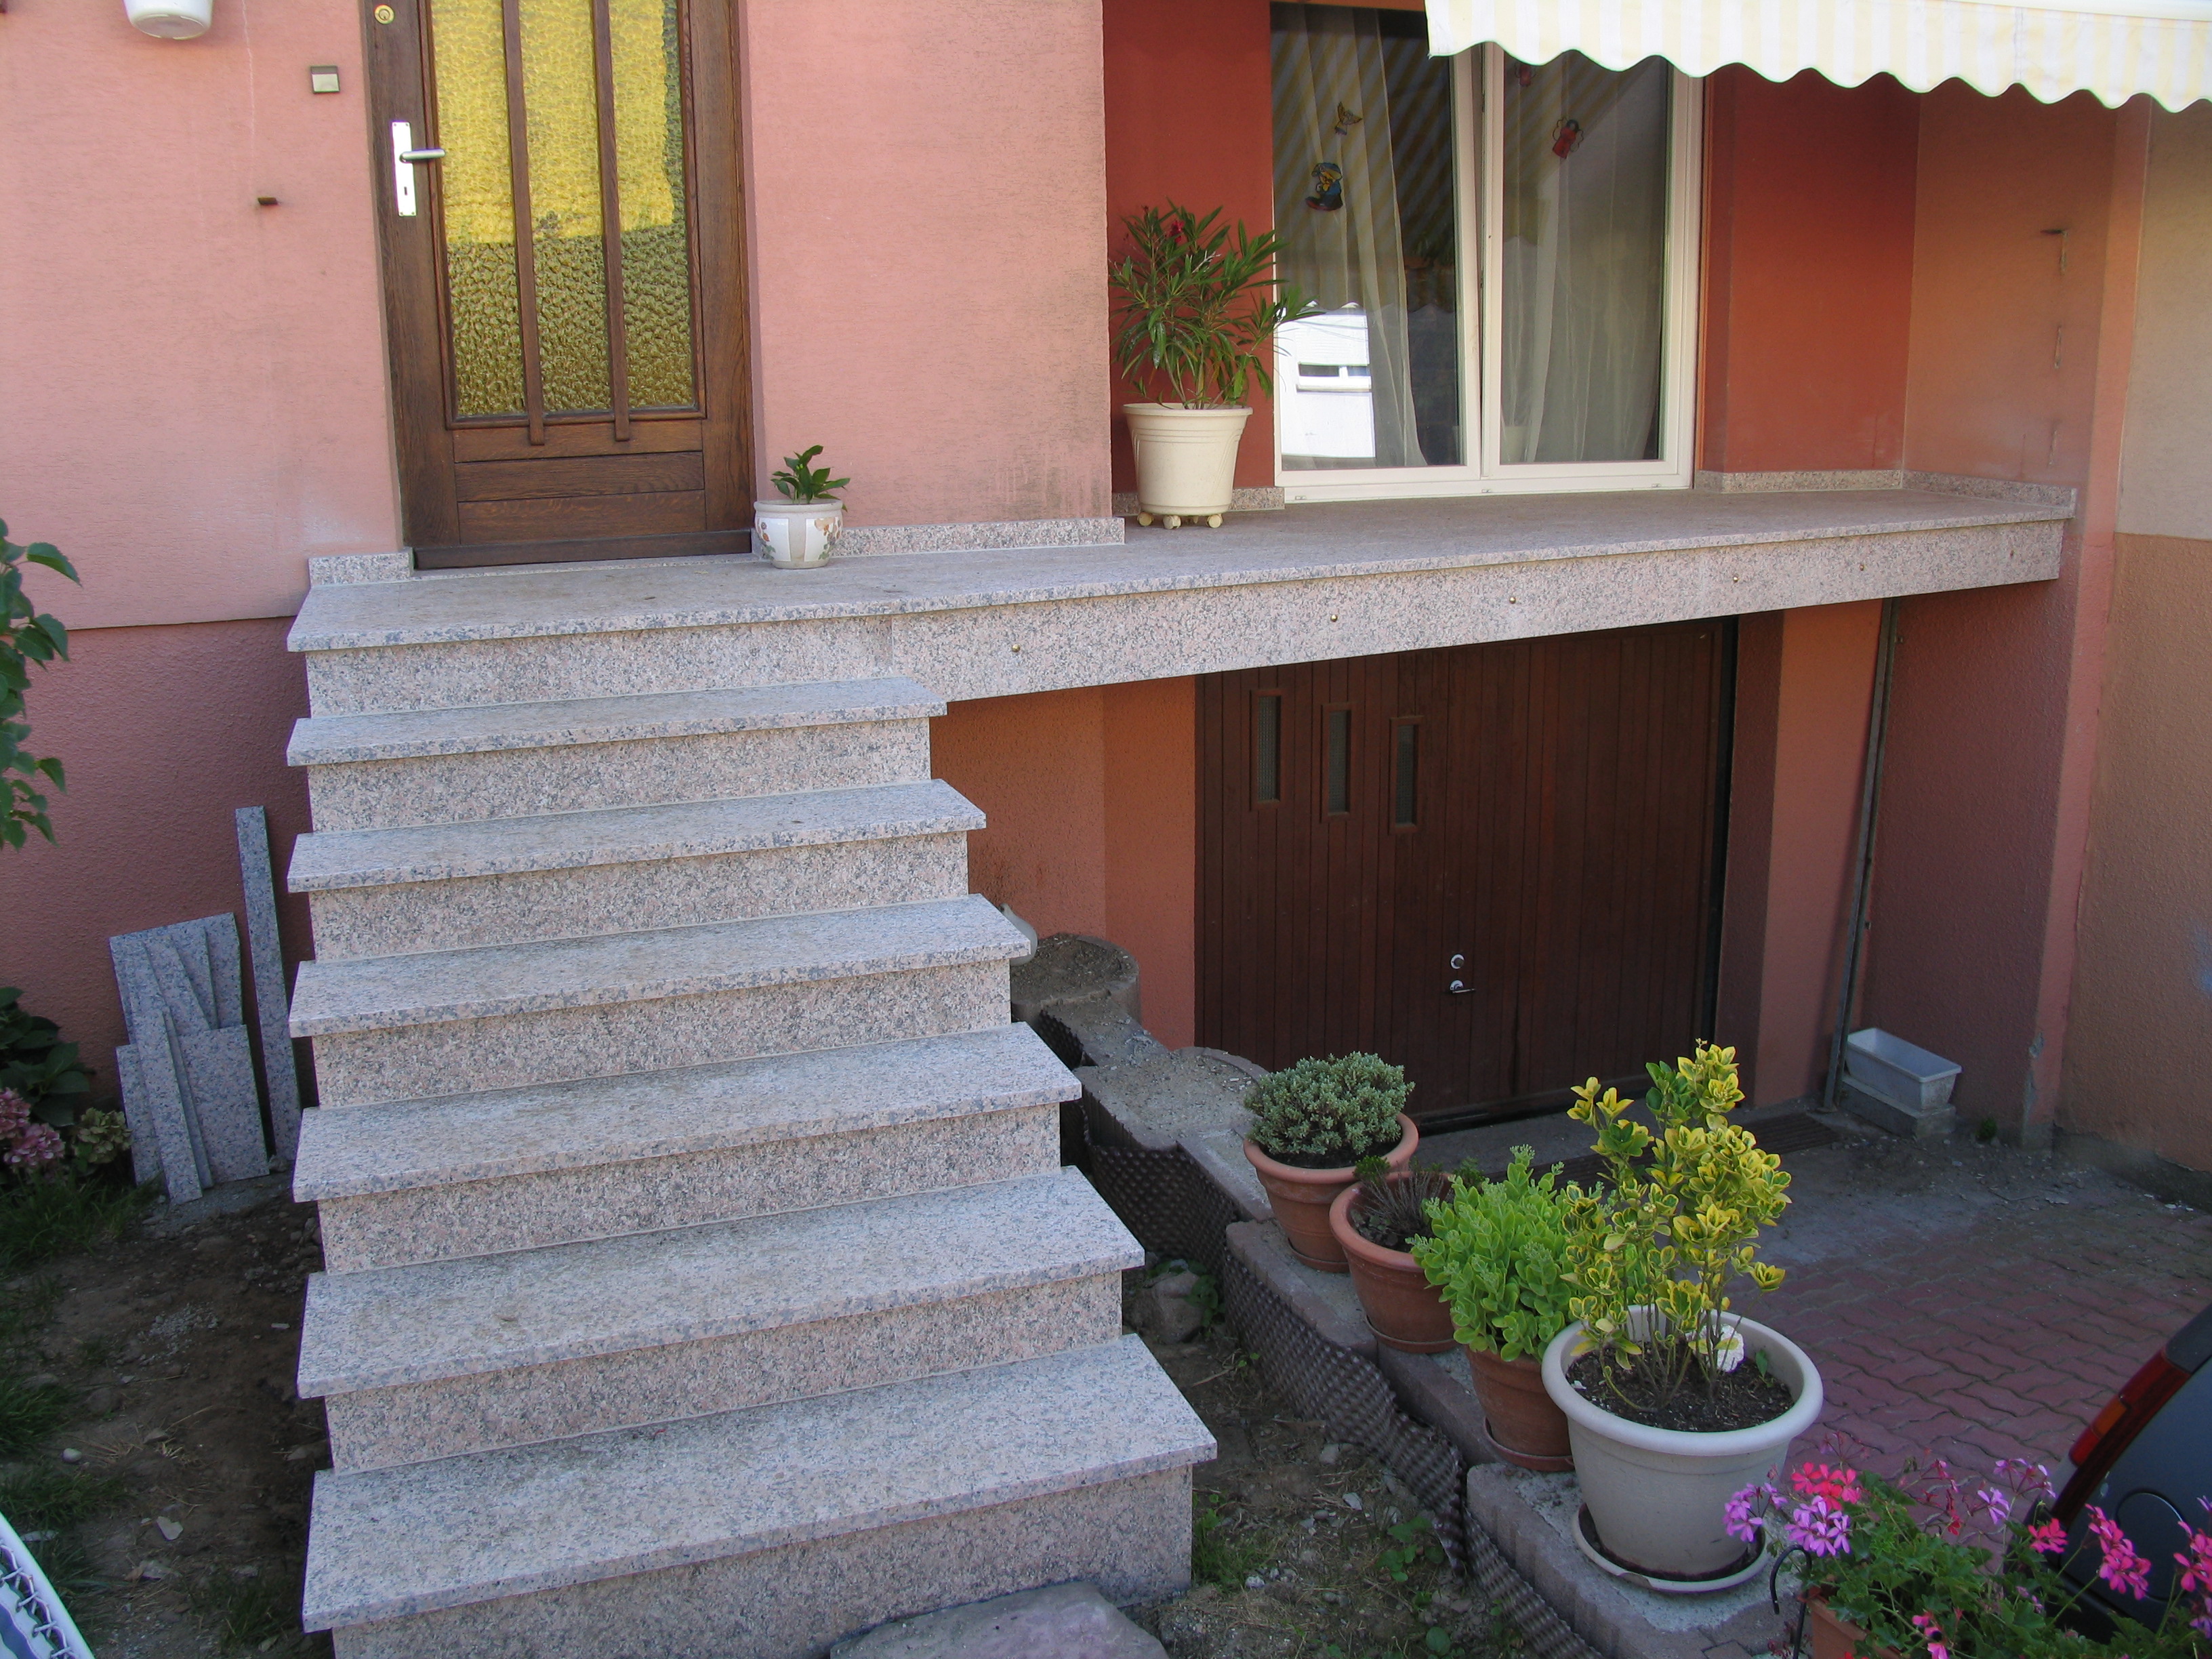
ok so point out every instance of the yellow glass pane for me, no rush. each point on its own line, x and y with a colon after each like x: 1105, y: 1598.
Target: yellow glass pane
x: 560, y: 96
x: 656, y: 244
x: 471, y: 58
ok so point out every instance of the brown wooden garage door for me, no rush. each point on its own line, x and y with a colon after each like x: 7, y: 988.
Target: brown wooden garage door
x: 1495, y: 864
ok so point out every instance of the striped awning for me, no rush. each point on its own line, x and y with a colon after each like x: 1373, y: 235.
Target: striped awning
x: 2113, y: 49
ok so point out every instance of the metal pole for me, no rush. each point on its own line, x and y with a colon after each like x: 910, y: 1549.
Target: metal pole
x: 1884, y: 662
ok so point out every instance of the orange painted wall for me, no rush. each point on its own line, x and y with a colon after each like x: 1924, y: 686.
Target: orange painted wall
x: 1189, y: 117
x: 143, y: 834
x: 1808, y: 272
x: 1092, y: 800
x: 2019, y: 347
x: 926, y: 202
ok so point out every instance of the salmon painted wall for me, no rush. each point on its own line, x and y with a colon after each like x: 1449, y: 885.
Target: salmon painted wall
x: 143, y: 835
x: 2020, y: 341
x: 1804, y: 682
x: 926, y: 219
x: 197, y: 383
x: 1807, y: 272
x: 2139, y: 1043
x: 1092, y: 801
x: 1189, y: 117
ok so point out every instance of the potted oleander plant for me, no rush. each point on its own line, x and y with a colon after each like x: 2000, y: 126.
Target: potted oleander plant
x: 1674, y: 1400
x: 1378, y: 1224
x: 1497, y: 1255
x: 1311, y: 1124
x: 1199, y: 304
x: 800, y: 530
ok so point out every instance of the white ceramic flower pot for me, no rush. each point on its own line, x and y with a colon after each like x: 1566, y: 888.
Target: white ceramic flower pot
x: 1658, y: 1496
x: 170, y: 19
x: 798, y: 535
x: 1186, y: 460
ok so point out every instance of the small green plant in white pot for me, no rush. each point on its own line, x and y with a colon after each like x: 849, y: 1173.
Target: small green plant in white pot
x: 800, y: 530
x: 1199, y: 305
x: 1674, y: 1402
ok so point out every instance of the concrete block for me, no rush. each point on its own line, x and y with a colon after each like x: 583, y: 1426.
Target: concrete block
x: 1897, y: 1117
x: 272, y: 1004
x: 1064, y: 1621
x: 1071, y: 966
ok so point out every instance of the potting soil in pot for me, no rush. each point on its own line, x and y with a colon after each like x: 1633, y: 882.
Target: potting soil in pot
x: 1335, y: 1160
x: 1740, y: 1399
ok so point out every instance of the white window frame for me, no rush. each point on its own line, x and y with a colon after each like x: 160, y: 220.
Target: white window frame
x: 1478, y: 124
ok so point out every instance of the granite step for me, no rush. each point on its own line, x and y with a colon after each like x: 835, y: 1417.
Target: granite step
x: 503, y: 881
x: 429, y: 1180
x: 514, y: 760
x: 445, y: 1357
x: 771, y: 1530
x: 456, y: 1022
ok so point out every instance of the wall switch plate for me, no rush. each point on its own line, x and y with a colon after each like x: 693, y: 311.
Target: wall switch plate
x: 322, y: 77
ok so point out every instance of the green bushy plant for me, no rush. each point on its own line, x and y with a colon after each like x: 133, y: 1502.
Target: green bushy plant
x: 1499, y: 1254
x: 1678, y: 1224
x: 1325, y: 1114
x: 1199, y: 305
x: 35, y: 1062
x: 802, y: 483
x: 26, y: 636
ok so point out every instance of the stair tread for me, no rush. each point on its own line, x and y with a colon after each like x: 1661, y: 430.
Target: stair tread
x: 386, y: 1326
x: 391, y: 1542
x: 339, y: 859
x: 353, y: 1151
x: 388, y: 992
x: 332, y: 739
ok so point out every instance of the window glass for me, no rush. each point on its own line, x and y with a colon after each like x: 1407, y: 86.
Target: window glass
x: 1364, y: 206
x: 1582, y: 263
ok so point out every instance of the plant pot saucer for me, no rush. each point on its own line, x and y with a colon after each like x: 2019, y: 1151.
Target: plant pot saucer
x: 1727, y: 1578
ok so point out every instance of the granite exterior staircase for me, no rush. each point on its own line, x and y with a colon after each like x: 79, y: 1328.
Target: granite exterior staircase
x: 701, y: 1276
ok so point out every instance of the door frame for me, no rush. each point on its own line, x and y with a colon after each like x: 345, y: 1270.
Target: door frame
x: 411, y: 260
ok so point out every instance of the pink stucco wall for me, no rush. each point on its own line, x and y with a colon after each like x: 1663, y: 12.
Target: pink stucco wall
x: 927, y: 211
x: 2018, y: 362
x: 197, y: 389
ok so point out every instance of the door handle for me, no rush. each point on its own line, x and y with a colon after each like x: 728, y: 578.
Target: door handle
x: 404, y: 157
x: 1459, y: 988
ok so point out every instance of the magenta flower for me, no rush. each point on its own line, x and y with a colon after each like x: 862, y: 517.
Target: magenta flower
x: 35, y: 1148
x: 1839, y: 1486
x: 1995, y: 1504
x: 2122, y: 1568
x: 1819, y: 1528
x: 15, y: 1114
x: 2050, y: 1538
x: 1932, y: 1633
x: 2197, y: 1562
x: 2028, y: 1479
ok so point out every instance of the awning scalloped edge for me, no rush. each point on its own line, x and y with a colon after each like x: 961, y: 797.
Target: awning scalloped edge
x: 1924, y: 43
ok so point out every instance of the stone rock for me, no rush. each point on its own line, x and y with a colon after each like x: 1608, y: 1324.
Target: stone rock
x: 1167, y: 1309
x: 1156, y: 1102
x: 1066, y: 1621
x: 1069, y: 967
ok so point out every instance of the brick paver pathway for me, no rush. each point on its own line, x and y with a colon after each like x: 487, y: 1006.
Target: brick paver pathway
x: 2000, y: 1339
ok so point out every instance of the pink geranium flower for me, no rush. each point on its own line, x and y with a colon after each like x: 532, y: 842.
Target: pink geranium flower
x: 2049, y: 1537
x: 1838, y: 1485
x: 2122, y: 1568
x: 1932, y: 1633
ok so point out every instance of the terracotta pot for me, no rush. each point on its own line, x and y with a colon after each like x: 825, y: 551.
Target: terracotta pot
x: 1659, y: 1497
x: 1403, y: 1309
x: 1523, y: 1424
x: 1301, y: 1198
x: 1837, y: 1638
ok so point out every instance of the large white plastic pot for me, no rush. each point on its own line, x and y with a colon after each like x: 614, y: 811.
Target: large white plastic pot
x: 1658, y: 1496
x: 1186, y: 460
x: 170, y: 19
x: 798, y: 535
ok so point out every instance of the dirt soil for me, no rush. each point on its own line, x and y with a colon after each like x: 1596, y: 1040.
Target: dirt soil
x: 196, y: 1455
x: 1303, y: 1548
x: 1740, y: 1399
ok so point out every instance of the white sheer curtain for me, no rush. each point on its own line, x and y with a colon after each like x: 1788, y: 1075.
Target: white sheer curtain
x: 1332, y: 111
x: 1584, y: 263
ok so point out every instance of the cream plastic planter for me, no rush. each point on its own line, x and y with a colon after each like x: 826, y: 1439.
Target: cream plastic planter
x: 798, y: 535
x: 1186, y: 460
x: 1656, y: 1496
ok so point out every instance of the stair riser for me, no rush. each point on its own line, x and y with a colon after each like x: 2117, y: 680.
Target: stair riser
x: 1131, y: 1538
x: 512, y: 909
x: 506, y: 783
x: 469, y: 673
x: 460, y: 1057
x: 481, y: 1217
x: 412, y: 1424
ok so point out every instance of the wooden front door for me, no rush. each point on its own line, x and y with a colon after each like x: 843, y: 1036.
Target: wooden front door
x: 1495, y: 865
x: 562, y: 274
